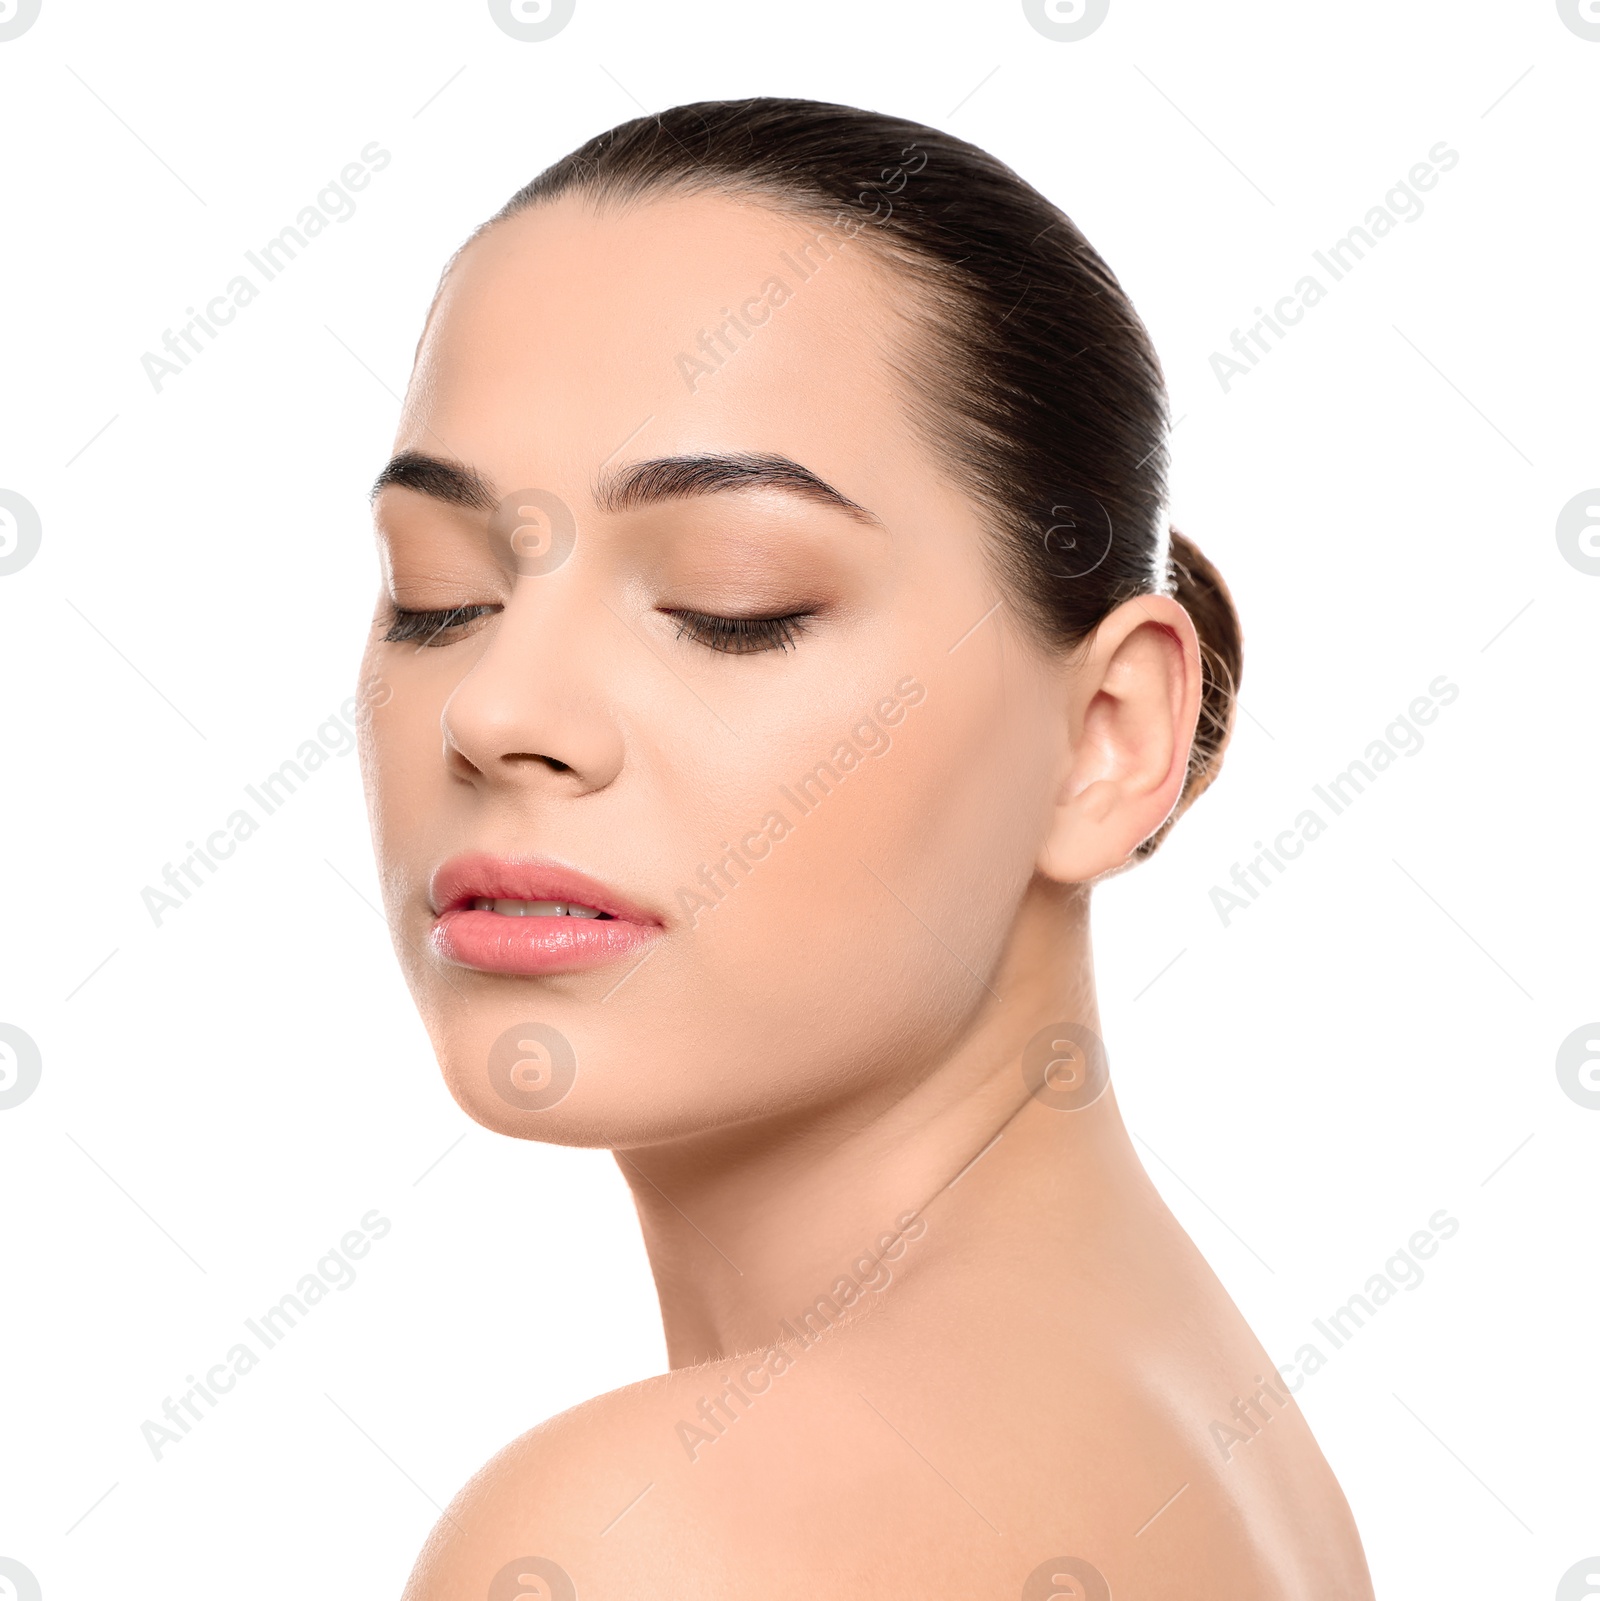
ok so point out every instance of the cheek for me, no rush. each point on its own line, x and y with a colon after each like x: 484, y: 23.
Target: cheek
x: 857, y: 921
x: 402, y: 771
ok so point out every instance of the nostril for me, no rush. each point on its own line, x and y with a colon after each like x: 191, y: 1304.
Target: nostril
x: 551, y: 762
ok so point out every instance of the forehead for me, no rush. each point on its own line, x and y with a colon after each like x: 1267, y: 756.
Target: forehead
x: 679, y: 323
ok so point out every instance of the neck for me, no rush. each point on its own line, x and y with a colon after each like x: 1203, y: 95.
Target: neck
x: 748, y: 1228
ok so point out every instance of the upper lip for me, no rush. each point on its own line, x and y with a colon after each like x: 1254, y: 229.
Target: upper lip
x: 476, y: 875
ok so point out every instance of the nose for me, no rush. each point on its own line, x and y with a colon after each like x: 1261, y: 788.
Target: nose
x: 532, y: 711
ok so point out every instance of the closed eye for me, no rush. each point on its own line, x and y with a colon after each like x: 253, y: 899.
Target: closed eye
x: 742, y: 636
x: 425, y: 628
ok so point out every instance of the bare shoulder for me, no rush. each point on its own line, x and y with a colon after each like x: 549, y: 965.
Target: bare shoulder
x: 668, y: 1487
x: 767, y: 1474
x: 562, y: 1506
x: 881, y: 1465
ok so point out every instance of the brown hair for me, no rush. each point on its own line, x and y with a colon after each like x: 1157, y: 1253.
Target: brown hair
x: 1039, y: 380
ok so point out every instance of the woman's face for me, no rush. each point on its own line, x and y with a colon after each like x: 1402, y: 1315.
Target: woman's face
x: 814, y: 835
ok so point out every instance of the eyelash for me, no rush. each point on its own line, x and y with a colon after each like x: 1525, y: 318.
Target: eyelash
x: 426, y: 627
x: 733, y: 636
x: 742, y: 636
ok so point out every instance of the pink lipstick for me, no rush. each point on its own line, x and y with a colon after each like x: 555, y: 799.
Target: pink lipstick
x: 531, y: 917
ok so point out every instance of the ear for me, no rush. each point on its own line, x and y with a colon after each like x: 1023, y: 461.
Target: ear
x: 1133, y: 699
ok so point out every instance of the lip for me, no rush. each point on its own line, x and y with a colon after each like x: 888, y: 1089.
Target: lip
x: 494, y: 943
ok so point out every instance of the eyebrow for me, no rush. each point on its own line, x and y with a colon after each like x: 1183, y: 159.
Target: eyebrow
x: 645, y: 483
x: 449, y: 481
x: 648, y: 483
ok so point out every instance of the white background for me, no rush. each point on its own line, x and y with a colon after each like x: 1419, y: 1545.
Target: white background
x: 1374, y: 1039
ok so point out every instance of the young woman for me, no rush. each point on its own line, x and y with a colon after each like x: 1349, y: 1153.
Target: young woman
x: 781, y: 631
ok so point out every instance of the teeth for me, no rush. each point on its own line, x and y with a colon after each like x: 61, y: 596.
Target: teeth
x: 533, y: 908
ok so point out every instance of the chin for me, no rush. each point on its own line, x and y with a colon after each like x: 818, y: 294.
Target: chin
x: 566, y: 1086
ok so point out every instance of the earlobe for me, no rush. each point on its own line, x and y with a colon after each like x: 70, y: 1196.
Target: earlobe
x: 1133, y: 702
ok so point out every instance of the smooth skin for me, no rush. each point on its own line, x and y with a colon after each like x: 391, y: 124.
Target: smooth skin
x: 1031, y: 1366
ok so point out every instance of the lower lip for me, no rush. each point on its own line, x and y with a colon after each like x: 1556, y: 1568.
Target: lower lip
x: 495, y: 943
